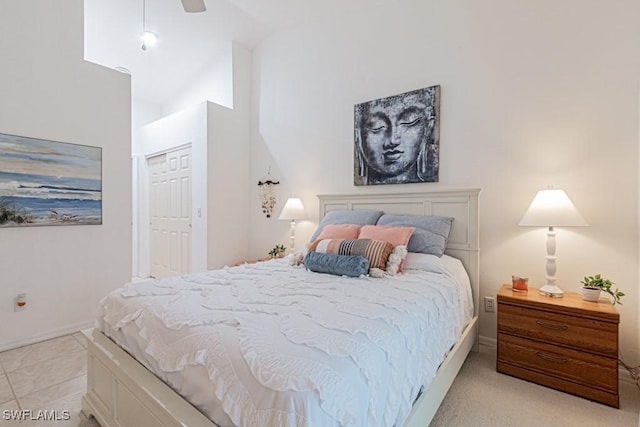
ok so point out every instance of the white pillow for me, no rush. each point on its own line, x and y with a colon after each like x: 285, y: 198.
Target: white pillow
x: 424, y: 262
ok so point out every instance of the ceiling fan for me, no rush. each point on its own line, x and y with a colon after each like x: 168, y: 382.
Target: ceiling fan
x: 193, y: 6
x: 149, y: 38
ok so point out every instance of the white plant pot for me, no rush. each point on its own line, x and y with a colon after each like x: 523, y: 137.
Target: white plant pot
x: 590, y: 294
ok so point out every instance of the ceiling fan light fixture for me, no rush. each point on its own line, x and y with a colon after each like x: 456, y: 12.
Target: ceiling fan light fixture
x: 149, y: 38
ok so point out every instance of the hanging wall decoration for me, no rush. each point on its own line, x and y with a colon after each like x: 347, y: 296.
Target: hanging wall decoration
x: 49, y: 183
x: 397, y: 139
x: 268, y: 193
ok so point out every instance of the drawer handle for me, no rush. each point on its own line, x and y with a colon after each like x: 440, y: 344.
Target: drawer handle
x: 550, y: 357
x: 552, y: 326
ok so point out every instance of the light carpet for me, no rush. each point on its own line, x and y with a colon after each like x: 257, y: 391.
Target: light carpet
x: 480, y: 396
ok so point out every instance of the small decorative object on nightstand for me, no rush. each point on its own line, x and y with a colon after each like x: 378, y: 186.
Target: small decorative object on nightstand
x: 277, y: 251
x: 519, y: 283
x: 563, y: 343
x: 592, y: 285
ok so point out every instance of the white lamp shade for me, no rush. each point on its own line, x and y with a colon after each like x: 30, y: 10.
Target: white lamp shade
x: 552, y: 208
x: 293, y: 210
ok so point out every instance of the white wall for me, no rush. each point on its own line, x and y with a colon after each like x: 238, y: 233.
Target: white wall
x: 213, y: 83
x: 533, y: 93
x: 48, y: 91
x: 228, y: 166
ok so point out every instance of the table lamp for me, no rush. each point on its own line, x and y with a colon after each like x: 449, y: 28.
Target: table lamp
x: 552, y: 208
x: 293, y: 210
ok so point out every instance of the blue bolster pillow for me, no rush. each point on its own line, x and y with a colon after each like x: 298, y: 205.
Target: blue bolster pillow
x: 340, y: 265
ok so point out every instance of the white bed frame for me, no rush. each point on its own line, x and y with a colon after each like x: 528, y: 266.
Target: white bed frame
x: 123, y: 393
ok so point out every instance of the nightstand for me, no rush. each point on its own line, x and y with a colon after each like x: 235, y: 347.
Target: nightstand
x: 563, y: 343
x: 251, y: 261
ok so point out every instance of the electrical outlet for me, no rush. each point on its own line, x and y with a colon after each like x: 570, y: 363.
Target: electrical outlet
x: 489, y: 304
x: 20, y: 302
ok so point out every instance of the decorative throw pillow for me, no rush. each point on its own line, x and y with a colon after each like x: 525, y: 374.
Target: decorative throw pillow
x: 397, y: 236
x: 383, y: 256
x: 424, y: 262
x: 339, y: 231
x: 357, y: 217
x: 431, y: 232
x: 341, y: 265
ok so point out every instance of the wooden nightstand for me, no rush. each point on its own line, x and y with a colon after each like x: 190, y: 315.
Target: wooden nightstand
x: 563, y: 343
x: 252, y: 261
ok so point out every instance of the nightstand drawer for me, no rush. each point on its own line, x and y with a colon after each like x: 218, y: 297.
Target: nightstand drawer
x: 574, y: 366
x: 577, y: 332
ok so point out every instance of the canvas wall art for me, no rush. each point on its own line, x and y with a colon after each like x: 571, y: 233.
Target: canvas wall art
x: 49, y: 183
x: 397, y: 139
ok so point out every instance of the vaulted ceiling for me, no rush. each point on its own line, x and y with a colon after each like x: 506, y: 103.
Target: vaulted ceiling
x: 189, y: 42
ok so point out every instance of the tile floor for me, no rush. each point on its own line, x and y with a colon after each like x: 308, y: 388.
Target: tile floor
x: 49, y: 375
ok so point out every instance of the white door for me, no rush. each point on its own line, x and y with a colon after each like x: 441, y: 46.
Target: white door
x: 170, y: 212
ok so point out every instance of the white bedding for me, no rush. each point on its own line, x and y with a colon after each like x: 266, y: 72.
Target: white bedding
x: 271, y: 344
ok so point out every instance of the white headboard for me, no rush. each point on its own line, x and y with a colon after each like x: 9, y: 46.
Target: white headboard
x: 462, y: 205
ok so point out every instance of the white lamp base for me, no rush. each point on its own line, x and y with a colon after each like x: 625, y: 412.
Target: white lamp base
x: 292, y: 235
x: 549, y: 290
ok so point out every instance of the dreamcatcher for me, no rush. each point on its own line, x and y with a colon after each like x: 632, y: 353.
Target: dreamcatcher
x: 268, y: 193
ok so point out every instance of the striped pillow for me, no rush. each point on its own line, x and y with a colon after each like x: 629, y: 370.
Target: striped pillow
x: 376, y: 251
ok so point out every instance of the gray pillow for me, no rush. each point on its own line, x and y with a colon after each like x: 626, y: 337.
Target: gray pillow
x: 341, y: 265
x: 430, y: 235
x: 364, y: 217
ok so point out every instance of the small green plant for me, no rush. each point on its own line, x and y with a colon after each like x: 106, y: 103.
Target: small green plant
x: 277, y: 250
x: 599, y: 282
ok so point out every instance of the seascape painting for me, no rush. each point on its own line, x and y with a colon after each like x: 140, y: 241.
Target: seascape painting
x: 397, y: 138
x: 49, y: 183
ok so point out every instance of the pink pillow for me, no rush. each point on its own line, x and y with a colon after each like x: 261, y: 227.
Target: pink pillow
x: 339, y: 231
x: 397, y: 236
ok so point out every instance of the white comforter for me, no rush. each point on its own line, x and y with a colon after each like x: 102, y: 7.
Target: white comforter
x: 271, y: 344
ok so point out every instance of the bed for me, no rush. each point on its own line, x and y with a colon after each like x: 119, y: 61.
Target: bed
x: 122, y: 390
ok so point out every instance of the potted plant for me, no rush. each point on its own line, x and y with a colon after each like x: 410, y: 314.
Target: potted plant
x: 277, y: 251
x: 592, y: 285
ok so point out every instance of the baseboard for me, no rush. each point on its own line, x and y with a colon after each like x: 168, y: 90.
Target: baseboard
x: 625, y: 376
x: 43, y: 336
x: 488, y: 342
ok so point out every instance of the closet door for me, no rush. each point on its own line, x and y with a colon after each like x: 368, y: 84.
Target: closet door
x: 170, y: 212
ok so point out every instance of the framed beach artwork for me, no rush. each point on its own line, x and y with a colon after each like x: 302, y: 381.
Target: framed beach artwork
x: 397, y: 138
x: 49, y: 183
